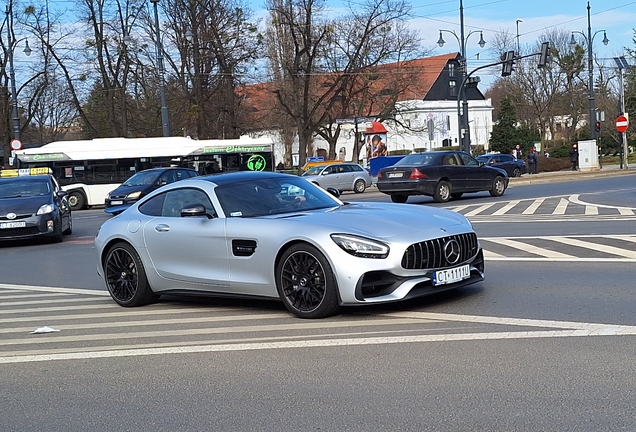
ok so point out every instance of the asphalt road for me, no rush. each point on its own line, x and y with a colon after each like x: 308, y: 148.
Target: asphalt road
x: 545, y: 343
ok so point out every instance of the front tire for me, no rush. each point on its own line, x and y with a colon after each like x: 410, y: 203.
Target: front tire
x: 125, y: 277
x: 69, y: 230
x: 442, y: 192
x: 359, y: 186
x: 516, y: 172
x: 400, y: 199
x: 498, y: 187
x: 306, y: 283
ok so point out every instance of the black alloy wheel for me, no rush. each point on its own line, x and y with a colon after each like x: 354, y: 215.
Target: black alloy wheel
x: 126, y: 278
x: 306, y: 283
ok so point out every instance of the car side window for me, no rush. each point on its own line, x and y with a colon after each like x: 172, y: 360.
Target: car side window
x: 328, y: 170
x: 178, y: 199
x: 468, y: 160
x: 356, y: 168
x: 167, y: 177
x: 495, y: 159
x: 182, y: 174
x: 153, y: 206
x: 343, y: 168
x: 449, y: 160
x: 506, y: 158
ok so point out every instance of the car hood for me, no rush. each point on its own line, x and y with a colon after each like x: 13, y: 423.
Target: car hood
x: 382, y: 220
x: 125, y: 190
x: 22, y: 206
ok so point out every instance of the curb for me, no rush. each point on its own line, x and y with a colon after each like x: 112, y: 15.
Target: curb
x: 562, y: 176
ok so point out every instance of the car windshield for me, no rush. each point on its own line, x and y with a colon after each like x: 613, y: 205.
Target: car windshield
x: 270, y: 196
x: 142, y: 178
x: 20, y: 188
x: 417, y: 159
x: 314, y: 170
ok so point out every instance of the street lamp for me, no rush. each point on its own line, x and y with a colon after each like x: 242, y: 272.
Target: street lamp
x: 519, y: 20
x: 17, y: 133
x: 462, y: 115
x: 622, y: 64
x: 165, y: 121
x: 590, y: 66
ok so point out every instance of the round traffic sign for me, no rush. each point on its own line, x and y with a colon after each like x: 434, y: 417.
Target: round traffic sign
x: 622, y: 123
x: 16, y: 144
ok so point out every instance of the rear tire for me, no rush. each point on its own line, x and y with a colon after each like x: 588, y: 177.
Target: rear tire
x: 498, y: 186
x: 400, y: 199
x: 125, y: 277
x: 516, y: 172
x: 442, y: 192
x: 306, y: 283
x: 359, y: 186
x: 76, y: 200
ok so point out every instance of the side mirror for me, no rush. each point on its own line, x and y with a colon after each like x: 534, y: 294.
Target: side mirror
x: 195, y: 210
x: 62, y: 193
x: 333, y: 191
x: 481, y: 163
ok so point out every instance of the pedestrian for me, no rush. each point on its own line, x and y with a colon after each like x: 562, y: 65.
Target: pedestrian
x: 517, y: 153
x: 574, y: 157
x: 532, y: 161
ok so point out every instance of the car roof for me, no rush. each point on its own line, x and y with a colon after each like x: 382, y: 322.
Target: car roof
x: 240, y: 176
x: 39, y: 177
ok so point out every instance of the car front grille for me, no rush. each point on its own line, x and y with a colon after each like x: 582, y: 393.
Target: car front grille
x: 20, y: 216
x: 432, y: 253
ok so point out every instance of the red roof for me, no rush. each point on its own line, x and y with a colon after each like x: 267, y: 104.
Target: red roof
x: 388, y: 83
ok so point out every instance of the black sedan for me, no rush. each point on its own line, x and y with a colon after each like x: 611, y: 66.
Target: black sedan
x: 33, y: 205
x: 513, y: 166
x: 440, y: 174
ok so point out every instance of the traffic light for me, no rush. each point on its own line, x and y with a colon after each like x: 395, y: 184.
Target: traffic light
x: 509, y: 63
x: 544, y: 56
x: 597, y: 126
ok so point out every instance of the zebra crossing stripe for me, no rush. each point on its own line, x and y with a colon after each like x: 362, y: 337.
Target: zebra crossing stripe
x: 533, y: 207
x: 505, y: 209
x: 626, y: 211
x: 532, y: 249
x: 479, y: 209
x: 561, y: 207
x: 595, y: 246
x: 591, y: 210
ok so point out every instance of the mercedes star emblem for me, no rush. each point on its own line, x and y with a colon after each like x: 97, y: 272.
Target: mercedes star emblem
x: 452, y: 251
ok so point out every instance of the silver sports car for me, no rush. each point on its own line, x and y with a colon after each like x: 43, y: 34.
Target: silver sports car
x: 272, y: 235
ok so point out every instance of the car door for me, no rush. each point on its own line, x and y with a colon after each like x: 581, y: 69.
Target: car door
x: 330, y: 177
x: 477, y: 176
x: 454, y: 171
x: 347, y: 176
x: 187, y: 249
x: 506, y: 162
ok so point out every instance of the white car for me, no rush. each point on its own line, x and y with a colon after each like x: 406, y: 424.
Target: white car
x: 342, y: 176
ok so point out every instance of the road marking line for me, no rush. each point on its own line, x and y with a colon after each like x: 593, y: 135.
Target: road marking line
x: 458, y: 209
x: 530, y: 248
x: 575, y: 199
x: 25, y: 296
x: 479, y: 209
x: 573, y: 259
x: 102, y: 292
x: 491, y: 255
x: 505, y: 209
x: 591, y: 210
x: 44, y: 301
x: 596, y: 246
x: 616, y: 331
x: 561, y: 207
x: 533, y: 207
x: 625, y: 211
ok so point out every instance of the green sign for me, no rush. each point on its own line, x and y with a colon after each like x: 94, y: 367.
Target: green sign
x: 47, y: 157
x: 235, y: 149
x: 256, y: 163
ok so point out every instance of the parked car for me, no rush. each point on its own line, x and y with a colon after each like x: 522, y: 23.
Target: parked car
x: 141, y: 184
x: 32, y: 204
x: 513, y: 166
x: 279, y: 236
x: 343, y: 176
x: 440, y: 174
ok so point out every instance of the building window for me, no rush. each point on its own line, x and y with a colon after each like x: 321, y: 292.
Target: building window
x: 451, y: 70
x: 452, y: 88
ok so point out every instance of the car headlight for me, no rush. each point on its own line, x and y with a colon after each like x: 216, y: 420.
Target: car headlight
x: 133, y: 195
x: 45, y: 209
x: 360, y: 246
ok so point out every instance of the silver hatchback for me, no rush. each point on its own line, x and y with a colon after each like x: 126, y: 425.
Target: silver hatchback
x: 342, y: 176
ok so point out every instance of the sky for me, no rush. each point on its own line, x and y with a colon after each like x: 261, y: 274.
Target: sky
x: 616, y: 17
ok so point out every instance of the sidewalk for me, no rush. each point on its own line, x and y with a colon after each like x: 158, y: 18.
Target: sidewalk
x: 545, y: 177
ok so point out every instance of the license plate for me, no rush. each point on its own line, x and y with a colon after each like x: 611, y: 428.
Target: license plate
x: 6, y: 225
x: 116, y: 202
x: 442, y: 277
x: 395, y: 175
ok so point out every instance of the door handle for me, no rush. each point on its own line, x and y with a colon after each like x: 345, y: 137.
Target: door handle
x: 162, y: 228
